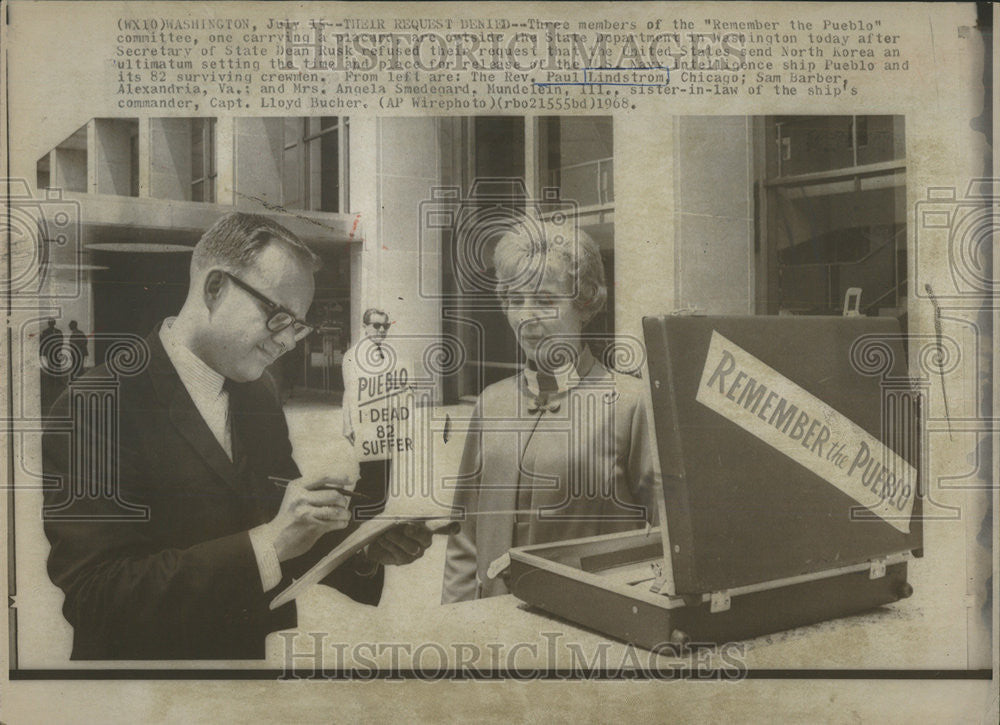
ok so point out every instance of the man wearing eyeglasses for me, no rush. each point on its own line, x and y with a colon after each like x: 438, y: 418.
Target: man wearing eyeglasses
x: 201, y: 439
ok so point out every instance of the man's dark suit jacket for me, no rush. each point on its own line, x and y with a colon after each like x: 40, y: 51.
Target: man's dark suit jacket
x: 185, y: 583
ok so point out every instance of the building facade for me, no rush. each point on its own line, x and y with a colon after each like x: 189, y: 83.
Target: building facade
x: 719, y: 215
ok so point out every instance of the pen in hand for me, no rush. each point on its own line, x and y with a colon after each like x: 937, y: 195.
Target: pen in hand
x: 350, y: 493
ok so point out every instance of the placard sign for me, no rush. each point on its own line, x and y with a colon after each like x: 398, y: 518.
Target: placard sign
x: 383, y: 414
x: 756, y: 397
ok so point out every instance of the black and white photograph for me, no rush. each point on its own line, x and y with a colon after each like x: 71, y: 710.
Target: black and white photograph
x: 589, y: 350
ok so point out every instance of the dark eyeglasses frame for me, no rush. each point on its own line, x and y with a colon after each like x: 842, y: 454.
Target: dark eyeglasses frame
x: 380, y: 325
x: 279, y: 317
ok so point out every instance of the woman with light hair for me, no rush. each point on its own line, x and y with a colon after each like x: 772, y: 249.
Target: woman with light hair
x: 563, y: 449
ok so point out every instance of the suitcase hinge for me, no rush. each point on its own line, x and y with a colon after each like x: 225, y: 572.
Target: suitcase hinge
x: 719, y: 602
x: 877, y: 569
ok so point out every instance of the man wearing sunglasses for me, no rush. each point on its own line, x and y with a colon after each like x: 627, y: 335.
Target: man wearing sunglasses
x: 368, y: 357
x: 200, y: 436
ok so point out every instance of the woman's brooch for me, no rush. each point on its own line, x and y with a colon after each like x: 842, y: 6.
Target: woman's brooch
x: 542, y: 403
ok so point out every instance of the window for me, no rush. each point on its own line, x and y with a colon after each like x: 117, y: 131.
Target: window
x: 314, y: 164
x: 133, y: 163
x: 65, y: 166
x: 835, y: 215
x: 115, y: 155
x: 43, y: 170
x: 203, y: 172
x: 182, y: 159
x: 575, y: 154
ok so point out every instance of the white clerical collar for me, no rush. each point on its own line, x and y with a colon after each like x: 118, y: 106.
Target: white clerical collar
x: 192, y: 370
x: 567, y: 376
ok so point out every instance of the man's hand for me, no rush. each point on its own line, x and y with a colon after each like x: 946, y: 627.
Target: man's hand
x: 405, y: 543
x: 309, y: 509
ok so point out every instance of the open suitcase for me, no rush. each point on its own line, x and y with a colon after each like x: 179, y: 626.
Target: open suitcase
x: 780, y: 508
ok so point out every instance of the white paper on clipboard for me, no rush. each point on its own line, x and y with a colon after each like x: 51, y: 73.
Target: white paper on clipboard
x: 354, y: 543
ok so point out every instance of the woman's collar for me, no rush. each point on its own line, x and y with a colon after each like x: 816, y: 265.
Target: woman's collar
x: 566, y: 377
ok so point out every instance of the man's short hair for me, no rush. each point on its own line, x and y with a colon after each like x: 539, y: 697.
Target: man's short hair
x: 370, y: 312
x: 527, y: 255
x: 235, y: 241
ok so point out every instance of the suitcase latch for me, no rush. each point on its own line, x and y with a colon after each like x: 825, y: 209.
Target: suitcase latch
x: 877, y: 569
x: 719, y: 602
x: 658, y: 579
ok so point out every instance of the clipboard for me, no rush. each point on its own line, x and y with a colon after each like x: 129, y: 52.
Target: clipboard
x: 353, y: 544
